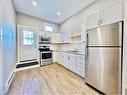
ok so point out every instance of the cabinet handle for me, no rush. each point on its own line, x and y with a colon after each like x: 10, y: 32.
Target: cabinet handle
x: 86, y: 56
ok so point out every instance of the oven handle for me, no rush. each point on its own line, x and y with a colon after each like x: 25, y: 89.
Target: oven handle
x: 46, y: 52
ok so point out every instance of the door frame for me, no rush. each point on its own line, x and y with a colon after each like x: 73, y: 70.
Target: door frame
x: 18, y: 48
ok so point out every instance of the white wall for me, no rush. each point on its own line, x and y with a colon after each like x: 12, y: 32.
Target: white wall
x: 27, y: 20
x: 1, y: 54
x: 8, y: 40
x: 34, y: 22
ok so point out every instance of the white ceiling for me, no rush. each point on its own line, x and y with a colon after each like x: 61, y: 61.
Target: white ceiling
x: 47, y: 9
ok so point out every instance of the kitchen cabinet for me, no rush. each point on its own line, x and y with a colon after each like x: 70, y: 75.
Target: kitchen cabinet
x: 81, y: 65
x: 93, y: 19
x: 65, y: 37
x: 72, y: 62
x: 112, y: 13
x: 58, y: 57
x: 66, y: 60
x: 61, y: 58
x: 62, y: 37
x: 56, y: 38
x: 55, y: 56
x: 107, y: 15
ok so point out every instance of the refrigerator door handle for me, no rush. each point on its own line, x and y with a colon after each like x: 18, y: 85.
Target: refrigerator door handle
x: 86, y: 53
x: 86, y: 49
x: 87, y: 45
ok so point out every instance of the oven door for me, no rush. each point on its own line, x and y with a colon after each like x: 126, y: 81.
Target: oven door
x: 46, y: 55
x: 46, y: 58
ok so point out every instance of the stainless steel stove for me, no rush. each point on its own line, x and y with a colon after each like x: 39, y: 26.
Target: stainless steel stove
x: 45, y: 55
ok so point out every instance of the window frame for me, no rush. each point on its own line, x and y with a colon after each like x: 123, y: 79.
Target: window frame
x: 25, y: 37
x: 50, y: 27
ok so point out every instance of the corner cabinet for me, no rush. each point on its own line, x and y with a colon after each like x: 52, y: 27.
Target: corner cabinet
x: 109, y: 14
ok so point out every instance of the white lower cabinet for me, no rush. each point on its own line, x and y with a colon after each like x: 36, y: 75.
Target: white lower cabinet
x: 65, y: 60
x: 73, y: 62
x: 81, y: 65
x: 58, y: 57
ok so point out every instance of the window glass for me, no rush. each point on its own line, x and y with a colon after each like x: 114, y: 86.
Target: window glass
x: 28, y: 37
x: 49, y: 28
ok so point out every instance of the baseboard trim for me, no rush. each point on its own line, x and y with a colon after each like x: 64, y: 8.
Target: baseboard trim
x: 26, y: 68
x: 8, y: 83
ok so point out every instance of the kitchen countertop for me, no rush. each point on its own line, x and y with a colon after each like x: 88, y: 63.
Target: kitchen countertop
x: 71, y: 52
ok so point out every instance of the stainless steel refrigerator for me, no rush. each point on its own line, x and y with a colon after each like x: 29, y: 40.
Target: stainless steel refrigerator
x: 104, y: 52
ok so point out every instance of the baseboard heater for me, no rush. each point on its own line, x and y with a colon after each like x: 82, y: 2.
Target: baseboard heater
x: 27, y: 64
x: 28, y: 60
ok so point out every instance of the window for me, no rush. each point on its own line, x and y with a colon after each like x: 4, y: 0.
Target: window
x: 49, y: 28
x: 28, y: 37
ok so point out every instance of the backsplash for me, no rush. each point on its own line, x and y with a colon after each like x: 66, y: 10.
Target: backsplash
x: 72, y: 46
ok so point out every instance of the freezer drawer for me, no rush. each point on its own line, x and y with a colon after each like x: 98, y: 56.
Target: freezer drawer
x: 104, y: 69
x: 108, y: 35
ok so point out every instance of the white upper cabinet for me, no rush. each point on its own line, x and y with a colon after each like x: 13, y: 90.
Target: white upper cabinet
x: 107, y: 15
x: 92, y: 20
x: 112, y: 13
x: 56, y: 38
x: 62, y: 37
x: 65, y: 37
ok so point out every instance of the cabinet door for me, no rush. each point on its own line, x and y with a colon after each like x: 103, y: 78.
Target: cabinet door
x: 72, y: 62
x: 112, y: 13
x: 62, y: 60
x: 55, y: 54
x: 92, y: 20
x: 56, y: 38
x: 66, y: 60
x: 58, y: 57
x: 81, y: 66
x: 65, y: 37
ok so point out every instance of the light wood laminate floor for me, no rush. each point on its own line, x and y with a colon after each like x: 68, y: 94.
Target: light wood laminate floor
x: 49, y: 80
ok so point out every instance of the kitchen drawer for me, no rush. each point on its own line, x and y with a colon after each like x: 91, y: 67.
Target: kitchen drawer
x: 81, y: 64
x: 81, y: 72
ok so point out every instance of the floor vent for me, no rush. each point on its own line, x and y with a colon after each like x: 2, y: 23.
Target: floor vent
x: 27, y: 64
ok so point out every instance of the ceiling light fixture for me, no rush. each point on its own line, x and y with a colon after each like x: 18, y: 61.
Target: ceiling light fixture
x: 34, y: 2
x: 58, y: 13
